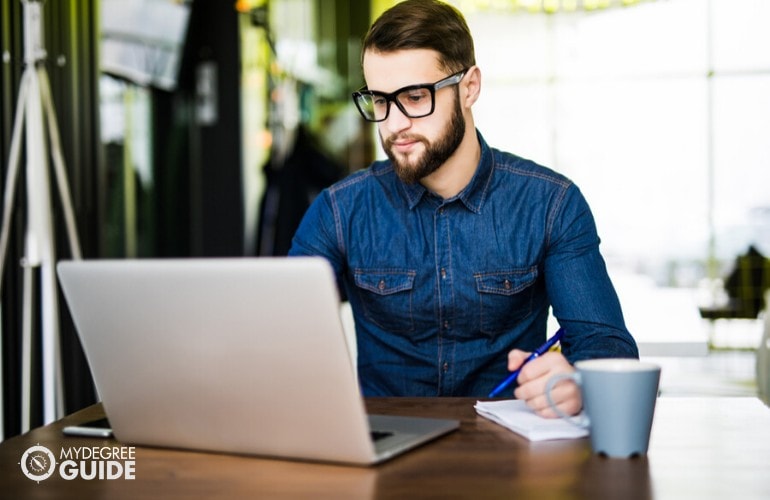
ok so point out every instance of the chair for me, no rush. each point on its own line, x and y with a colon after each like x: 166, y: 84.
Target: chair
x: 745, y: 287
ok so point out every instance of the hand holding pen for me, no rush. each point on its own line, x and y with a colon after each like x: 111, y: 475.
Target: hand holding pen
x: 535, y: 354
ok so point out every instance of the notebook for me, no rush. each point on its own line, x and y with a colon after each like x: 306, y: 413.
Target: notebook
x: 240, y: 355
x: 515, y: 415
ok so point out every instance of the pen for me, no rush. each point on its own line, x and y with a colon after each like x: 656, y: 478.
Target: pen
x: 537, y: 353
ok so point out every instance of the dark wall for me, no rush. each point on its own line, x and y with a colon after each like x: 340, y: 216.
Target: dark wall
x: 199, y: 206
x: 217, y: 190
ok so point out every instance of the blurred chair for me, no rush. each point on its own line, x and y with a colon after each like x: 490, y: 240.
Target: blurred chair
x: 745, y: 287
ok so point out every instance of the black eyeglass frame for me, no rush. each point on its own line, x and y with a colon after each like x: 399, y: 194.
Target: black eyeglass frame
x: 452, y: 79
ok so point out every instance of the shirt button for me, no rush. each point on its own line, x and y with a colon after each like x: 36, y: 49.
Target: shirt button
x: 507, y: 284
x: 381, y: 285
x: 446, y: 325
x: 445, y: 367
x: 443, y: 273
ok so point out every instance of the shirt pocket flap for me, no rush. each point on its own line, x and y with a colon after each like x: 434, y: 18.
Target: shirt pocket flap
x: 507, y: 282
x: 384, y: 282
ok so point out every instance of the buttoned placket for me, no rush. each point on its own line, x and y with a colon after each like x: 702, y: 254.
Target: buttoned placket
x: 443, y: 259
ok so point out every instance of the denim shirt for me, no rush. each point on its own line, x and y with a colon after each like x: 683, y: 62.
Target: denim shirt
x: 443, y: 289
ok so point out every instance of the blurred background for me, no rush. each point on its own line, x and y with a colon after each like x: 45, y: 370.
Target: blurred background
x: 206, y: 127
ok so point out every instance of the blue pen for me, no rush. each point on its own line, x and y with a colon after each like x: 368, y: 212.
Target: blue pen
x: 537, y: 353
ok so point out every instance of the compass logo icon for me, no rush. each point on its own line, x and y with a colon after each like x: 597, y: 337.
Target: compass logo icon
x: 38, y: 463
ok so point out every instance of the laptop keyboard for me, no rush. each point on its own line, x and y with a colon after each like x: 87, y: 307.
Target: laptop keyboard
x: 377, y: 435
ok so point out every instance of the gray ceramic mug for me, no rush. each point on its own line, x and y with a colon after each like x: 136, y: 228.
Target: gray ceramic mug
x: 619, y: 398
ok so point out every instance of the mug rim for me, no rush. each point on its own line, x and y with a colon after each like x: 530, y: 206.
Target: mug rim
x: 616, y: 365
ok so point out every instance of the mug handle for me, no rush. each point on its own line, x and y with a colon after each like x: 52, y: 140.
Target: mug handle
x: 582, y: 421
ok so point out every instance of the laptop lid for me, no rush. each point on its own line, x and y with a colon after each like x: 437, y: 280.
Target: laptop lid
x: 240, y: 355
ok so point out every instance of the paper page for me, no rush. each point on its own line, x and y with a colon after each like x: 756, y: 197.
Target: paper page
x: 518, y: 417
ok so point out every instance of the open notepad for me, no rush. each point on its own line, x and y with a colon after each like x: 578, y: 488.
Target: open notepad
x: 518, y: 417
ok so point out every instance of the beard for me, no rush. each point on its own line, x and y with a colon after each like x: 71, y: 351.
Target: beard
x: 412, y: 170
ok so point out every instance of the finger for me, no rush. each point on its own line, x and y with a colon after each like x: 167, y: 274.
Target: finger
x: 534, y: 393
x: 515, y: 358
x: 565, y: 396
x: 532, y: 379
x: 544, y: 367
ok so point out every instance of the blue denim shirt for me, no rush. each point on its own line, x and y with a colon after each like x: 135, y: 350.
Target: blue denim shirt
x: 442, y: 289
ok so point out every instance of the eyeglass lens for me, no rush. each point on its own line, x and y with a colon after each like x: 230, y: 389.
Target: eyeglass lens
x: 414, y: 103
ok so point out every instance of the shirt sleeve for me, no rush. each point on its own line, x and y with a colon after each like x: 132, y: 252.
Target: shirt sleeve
x: 580, y: 290
x: 318, y: 235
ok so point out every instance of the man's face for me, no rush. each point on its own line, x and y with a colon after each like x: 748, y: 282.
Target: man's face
x: 417, y: 147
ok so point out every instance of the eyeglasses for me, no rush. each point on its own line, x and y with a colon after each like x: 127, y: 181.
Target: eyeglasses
x: 414, y: 101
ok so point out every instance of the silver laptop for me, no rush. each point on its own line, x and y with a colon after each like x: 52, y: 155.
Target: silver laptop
x: 240, y: 355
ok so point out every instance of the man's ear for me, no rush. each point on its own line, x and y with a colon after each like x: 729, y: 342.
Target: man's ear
x: 471, y: 86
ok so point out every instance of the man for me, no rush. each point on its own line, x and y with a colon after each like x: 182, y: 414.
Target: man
x: 451, y: 252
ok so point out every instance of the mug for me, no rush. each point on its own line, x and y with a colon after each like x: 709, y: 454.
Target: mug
x: 619, y: 398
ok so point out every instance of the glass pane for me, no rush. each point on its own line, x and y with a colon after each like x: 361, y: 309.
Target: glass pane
x: 647, y: 39
x: 741, y: 38
x: 742, y: 164
x: 125, y: 111
x: 638, y: 151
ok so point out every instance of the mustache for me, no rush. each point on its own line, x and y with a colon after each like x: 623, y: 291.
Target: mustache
x: 390, y: 141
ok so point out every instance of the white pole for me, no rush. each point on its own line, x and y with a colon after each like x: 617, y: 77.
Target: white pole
x: 58, y: 163
x: 26, y: 349
x: 39, y: 234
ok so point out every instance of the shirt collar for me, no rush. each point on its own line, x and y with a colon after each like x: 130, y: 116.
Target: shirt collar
x: 473, y: 195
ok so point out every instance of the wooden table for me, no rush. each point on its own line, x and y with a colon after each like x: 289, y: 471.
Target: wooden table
x: 700, y: 448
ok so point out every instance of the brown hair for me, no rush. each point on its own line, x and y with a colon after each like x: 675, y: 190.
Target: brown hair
x: 424, y: 24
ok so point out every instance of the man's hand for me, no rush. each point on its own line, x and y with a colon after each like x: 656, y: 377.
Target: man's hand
x: 535, y: 375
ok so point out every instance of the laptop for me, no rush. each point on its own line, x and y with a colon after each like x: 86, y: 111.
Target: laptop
x: 232, y: 355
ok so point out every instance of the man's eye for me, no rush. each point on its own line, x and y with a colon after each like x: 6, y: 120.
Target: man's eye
x: 416, y: 96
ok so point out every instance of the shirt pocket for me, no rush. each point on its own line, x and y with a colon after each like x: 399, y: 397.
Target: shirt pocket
x: 504, y: 297
x: 386, y: 296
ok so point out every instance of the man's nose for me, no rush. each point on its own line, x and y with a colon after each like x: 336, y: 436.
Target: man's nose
x: 396, y: 120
